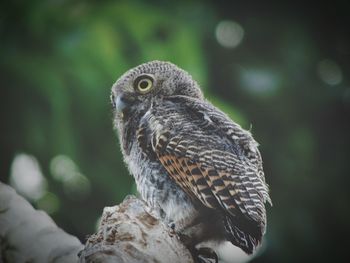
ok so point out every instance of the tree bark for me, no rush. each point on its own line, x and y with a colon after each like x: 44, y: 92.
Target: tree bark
x: 127, y: 233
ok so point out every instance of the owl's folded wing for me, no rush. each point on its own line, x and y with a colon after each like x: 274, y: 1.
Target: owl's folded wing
x: 217, y: 179
x: 215, y: 162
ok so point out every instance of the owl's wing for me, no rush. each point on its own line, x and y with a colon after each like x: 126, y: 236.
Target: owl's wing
x: 216, y: 178
x: 215, y: 162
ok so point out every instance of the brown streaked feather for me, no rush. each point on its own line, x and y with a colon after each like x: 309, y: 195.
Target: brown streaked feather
x: 217, y: 185
x: 193, y: 180
x: 204, y: 184
x: 183, y: 176
x: 181, y: 180
x: 225, y: 198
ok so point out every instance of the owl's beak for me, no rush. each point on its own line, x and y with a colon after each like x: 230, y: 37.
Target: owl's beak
x: 123, y: 102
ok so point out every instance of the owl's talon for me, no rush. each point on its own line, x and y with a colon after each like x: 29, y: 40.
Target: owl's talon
x: 205, y: 255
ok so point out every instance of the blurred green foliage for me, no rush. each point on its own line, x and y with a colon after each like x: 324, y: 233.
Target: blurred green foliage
x: 284, y: 80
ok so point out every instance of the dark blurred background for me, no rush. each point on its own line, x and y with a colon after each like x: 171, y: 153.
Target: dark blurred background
x: 281, y: 69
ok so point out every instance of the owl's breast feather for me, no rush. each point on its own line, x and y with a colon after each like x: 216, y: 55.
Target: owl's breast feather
x: 158, y: 190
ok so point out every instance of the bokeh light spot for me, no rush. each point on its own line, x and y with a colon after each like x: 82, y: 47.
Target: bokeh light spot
x: 259, y: 81
x: 26, y: 177
x: 329, y: 72
x: 75, y: 185
x: 229, y: 34
x: 62, y: 168
x: 77, y: 188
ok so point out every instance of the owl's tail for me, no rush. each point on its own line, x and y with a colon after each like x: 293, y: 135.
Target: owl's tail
x: 245, y: 234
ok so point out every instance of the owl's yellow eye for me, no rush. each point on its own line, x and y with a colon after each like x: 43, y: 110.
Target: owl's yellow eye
x: 143, y: 83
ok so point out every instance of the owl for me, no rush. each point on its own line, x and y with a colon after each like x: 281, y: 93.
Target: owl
x: 199, y: 170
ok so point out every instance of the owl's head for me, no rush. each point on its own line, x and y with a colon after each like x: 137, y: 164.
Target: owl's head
x: 136, y: 89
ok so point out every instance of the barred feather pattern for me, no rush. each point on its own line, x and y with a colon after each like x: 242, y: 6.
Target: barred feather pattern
x: 190, y: 160
x: 214, y: 161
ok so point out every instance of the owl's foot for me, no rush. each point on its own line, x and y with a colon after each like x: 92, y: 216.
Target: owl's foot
x: 204, y: 255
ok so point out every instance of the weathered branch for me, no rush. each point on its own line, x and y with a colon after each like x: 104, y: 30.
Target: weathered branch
x: 128, y: 233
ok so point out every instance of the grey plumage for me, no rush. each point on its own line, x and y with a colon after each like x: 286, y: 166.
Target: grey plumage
x: 192, y: 164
